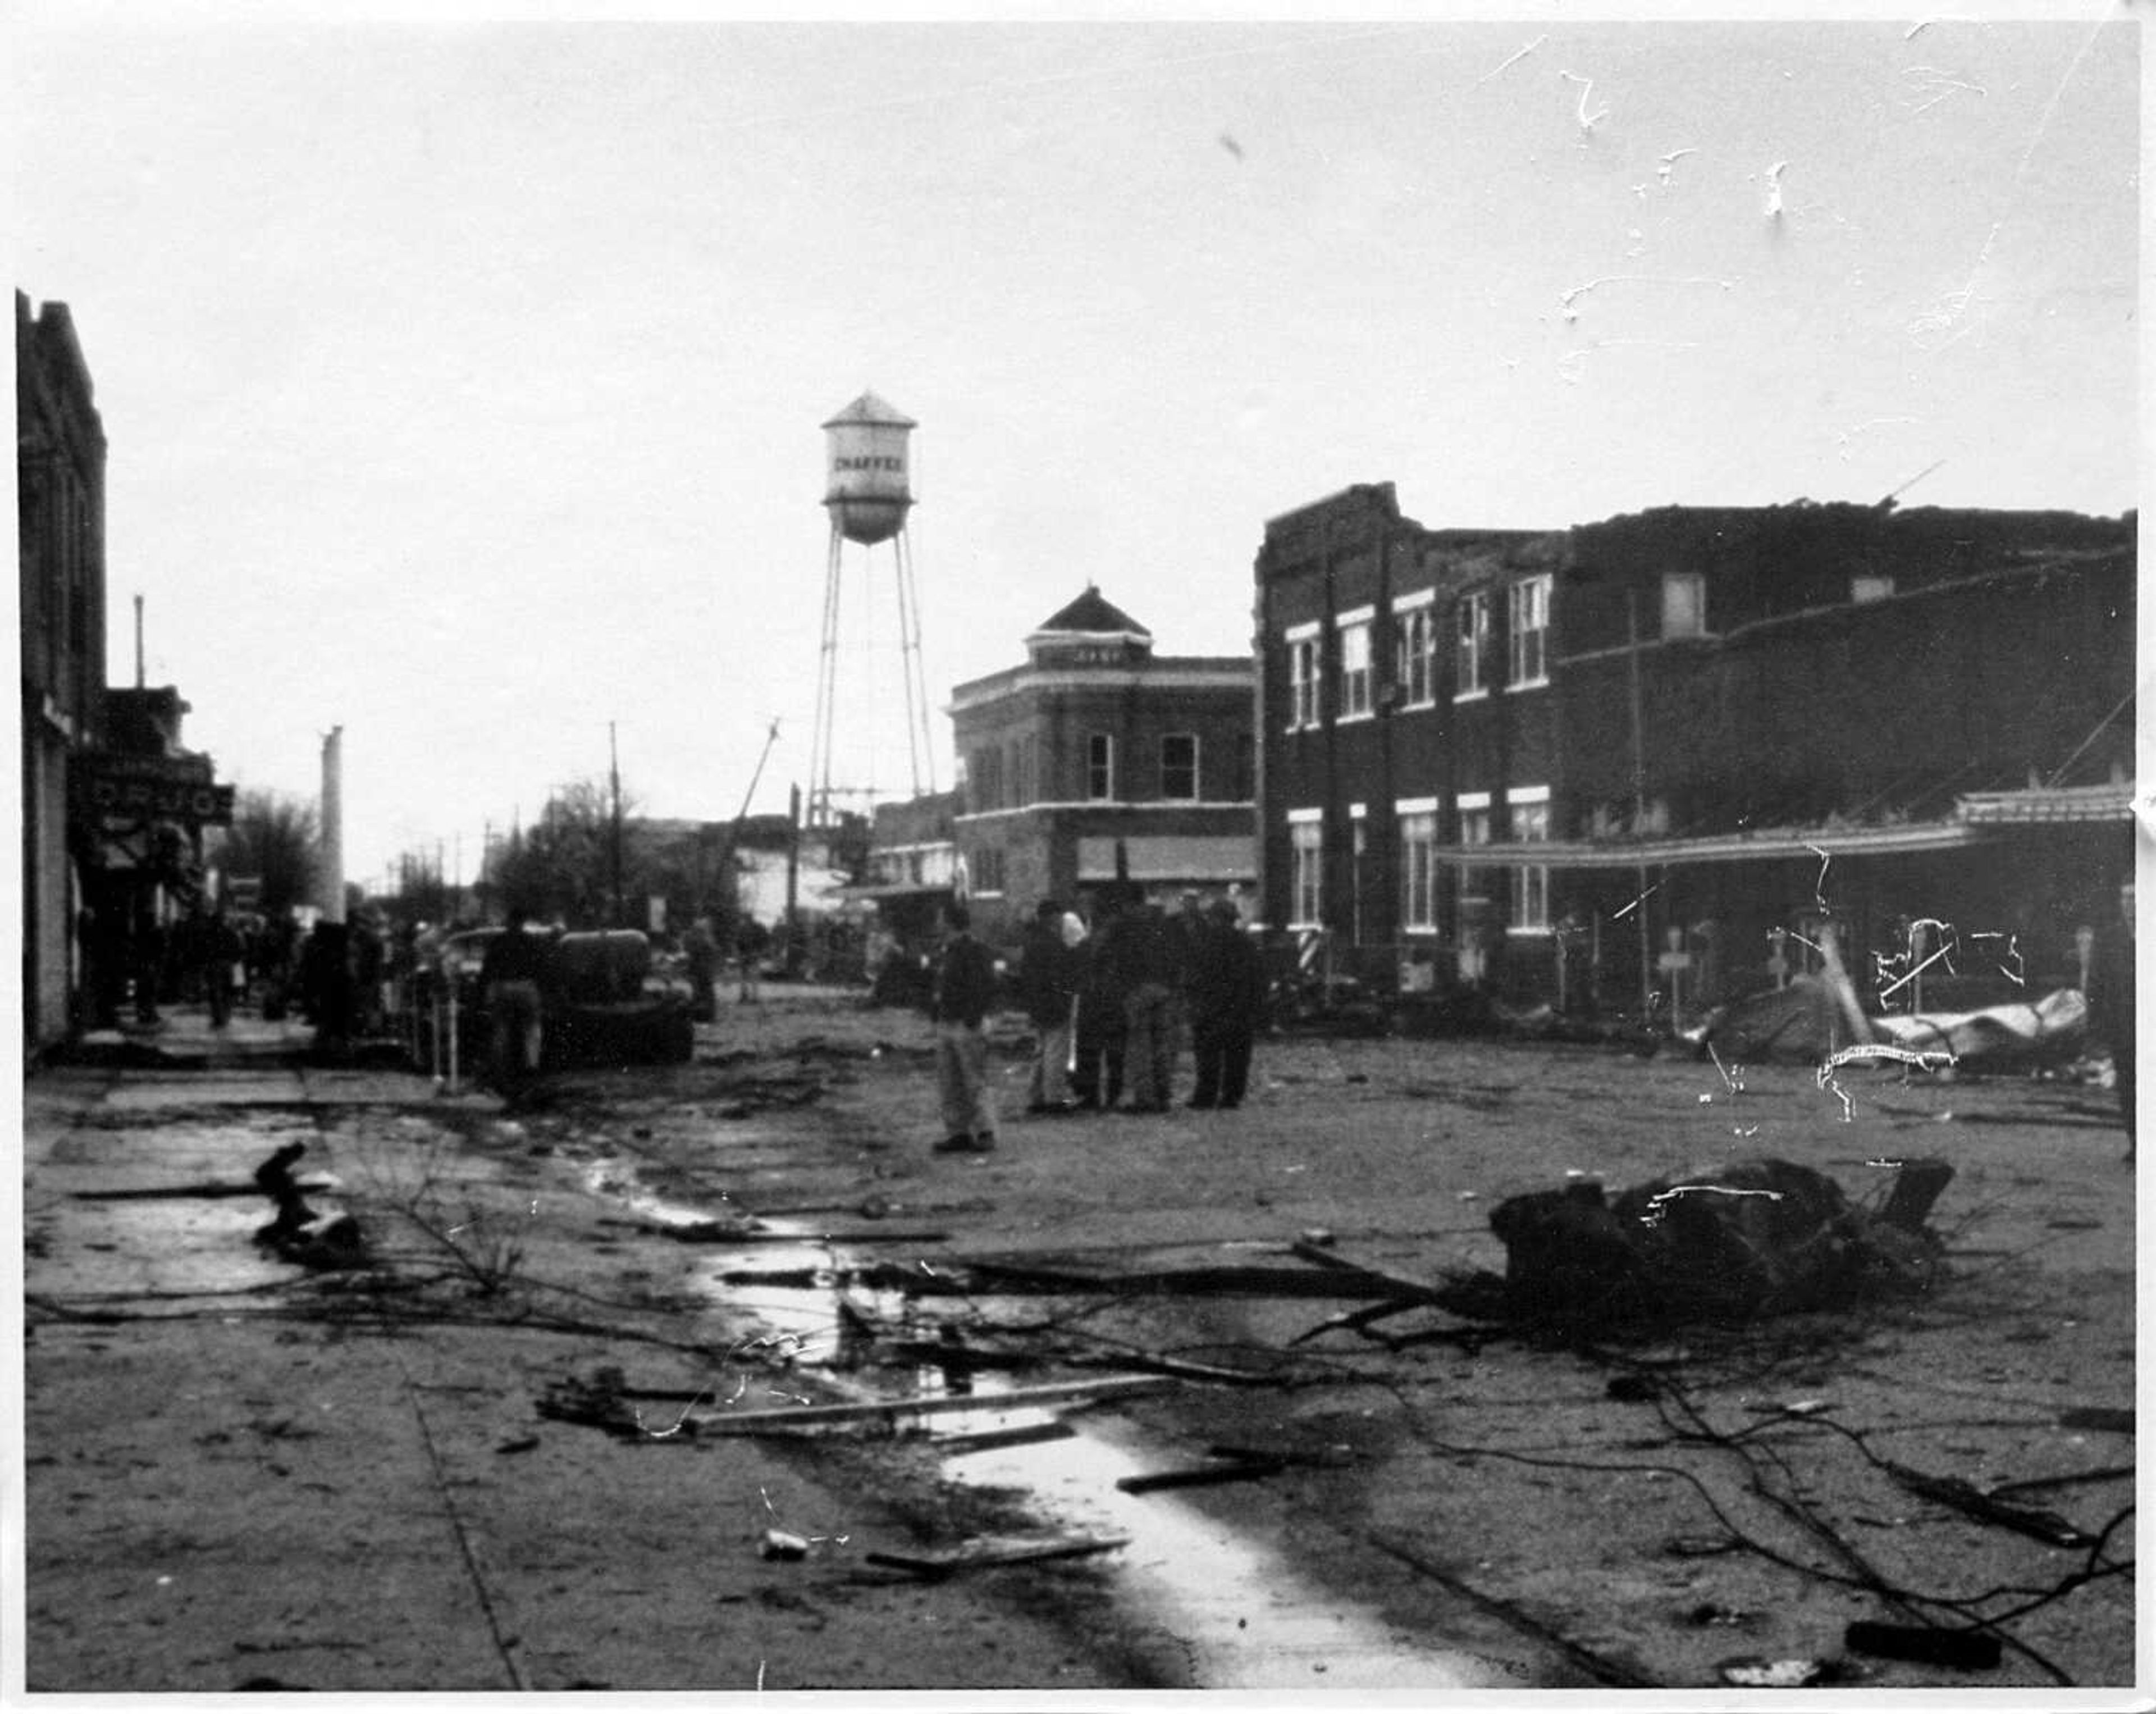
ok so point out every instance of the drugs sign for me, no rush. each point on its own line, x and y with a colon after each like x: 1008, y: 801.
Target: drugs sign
x: 153, y: 788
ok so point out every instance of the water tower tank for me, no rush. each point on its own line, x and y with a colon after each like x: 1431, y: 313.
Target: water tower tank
x: 867, y: 489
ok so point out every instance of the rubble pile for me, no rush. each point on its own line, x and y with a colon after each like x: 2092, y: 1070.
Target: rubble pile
x: 1759, y: 1238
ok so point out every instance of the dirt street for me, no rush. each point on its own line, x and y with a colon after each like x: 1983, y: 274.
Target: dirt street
x: 497, y: 1456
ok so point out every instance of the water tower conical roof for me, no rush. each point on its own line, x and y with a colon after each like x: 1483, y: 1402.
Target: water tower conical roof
x: 870, y: 409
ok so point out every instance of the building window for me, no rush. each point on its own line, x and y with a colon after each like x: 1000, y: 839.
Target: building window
x: 1178, y: 766
x: 1870, y: 586
x: 1472, y: 654
x: 986, y: 871
x: 1531, y: 825
x: 1100, y: 766
x: 1302, y: 675
x: 1474, y: 830
x: 1307, y: 850
x: 1528, y: 605
x: 1355, y: 669
x: 1246, y: 766
x: 1418, y: 869
x: 1684, y: 604
x: 1415, y: 664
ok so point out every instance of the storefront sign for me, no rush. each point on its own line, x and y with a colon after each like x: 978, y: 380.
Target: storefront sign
x: 151, y: 788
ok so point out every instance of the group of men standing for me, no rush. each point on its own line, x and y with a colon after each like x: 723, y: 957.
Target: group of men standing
x: 1111, y: 1005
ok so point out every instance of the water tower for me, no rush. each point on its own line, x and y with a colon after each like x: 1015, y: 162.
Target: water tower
x: 868, y: 493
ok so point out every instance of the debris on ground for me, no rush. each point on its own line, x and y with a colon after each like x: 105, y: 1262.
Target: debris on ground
x: 298, y: 1234
x: 988, y: 1551
x: 1805, y: 1021
x: 1757, y: 1238
x: 1239, y: 1468
x: 1973, y: 1649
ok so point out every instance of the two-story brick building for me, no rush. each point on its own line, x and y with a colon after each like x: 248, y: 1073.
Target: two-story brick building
x: 1094, y: 752
x: 1651, y: 755
x: 60, y: 477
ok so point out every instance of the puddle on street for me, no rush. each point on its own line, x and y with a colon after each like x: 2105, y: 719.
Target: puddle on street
x: 1244, y: 1620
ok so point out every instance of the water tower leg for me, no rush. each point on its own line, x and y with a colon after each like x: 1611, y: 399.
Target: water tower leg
x: 916, y: 688
x: 827, y: 678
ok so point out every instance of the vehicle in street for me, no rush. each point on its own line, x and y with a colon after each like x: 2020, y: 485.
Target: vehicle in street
x: 606, y: 1001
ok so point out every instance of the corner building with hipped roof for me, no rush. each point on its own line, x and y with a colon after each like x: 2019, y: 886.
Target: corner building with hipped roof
x: 1097, y: 760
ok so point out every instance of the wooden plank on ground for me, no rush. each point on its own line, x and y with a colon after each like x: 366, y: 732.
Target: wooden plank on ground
x: 987, y: 1551
x: 1383, y: 1284
x: 815, y: 1416
x: 1208, y: 1476
x: 305, y: 1186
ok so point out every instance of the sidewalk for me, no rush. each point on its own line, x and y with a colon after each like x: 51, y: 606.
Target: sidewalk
x: 184, y: 1039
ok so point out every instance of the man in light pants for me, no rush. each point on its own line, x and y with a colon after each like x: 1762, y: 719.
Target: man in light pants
x: 965, y: 989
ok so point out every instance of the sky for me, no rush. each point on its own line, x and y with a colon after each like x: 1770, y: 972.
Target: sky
x: 463, y: 380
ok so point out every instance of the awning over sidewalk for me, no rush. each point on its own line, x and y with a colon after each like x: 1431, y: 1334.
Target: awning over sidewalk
x: 1165, y: 856
x: 1780, y: 843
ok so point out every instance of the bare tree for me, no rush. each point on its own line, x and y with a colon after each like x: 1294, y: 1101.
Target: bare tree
x: 564, y: 865
x: 273, y: 836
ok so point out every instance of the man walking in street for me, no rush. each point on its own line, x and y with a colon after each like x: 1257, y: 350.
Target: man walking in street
x: 702, y: 952
x: 221, y: 949
x: 512, y: 982
x: 959, y: 1007
x: 1048, y: 982
x: 1097, y: 1082
x: 1142, y: 962
x: 1226, y: 987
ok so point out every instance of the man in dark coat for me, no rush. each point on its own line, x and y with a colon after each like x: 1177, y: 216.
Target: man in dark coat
x: 959, y: 1007
x: 1141, y: 960
x: 220, y: 947
x: 1226, y: 989
x: 702, y: 952
x: 512, y: 982
x: 1048, y: 984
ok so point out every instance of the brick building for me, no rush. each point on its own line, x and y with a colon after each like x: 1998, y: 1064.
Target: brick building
x: 59, y: 473
x: 1093, y: 752
x: 1651, y: 755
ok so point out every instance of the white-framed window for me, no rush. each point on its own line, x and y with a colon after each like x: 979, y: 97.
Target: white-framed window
x: 1303, y: 674
x: 1471, y: 647
x: 1417, y: 867
x: 1474, y: 830
x: 1358, y: 847
x: 1684, y: 604
x: 1178, y: 766
x: 1306, y: 835
x: 1100, y: 766
x: 1415, y: 656
x: 1355, y: 669
x: 1530, y: 811
x: 1528, y: 603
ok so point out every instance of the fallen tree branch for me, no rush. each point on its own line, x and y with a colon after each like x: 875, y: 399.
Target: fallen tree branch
x: 1599, y: 1667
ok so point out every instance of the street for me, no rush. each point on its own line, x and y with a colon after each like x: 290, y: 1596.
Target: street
x: 496, y: 1455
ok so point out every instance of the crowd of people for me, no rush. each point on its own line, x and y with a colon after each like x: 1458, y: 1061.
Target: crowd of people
x: 1113, y: 1003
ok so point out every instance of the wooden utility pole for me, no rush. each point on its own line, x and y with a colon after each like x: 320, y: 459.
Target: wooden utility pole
x: 614, y: 775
